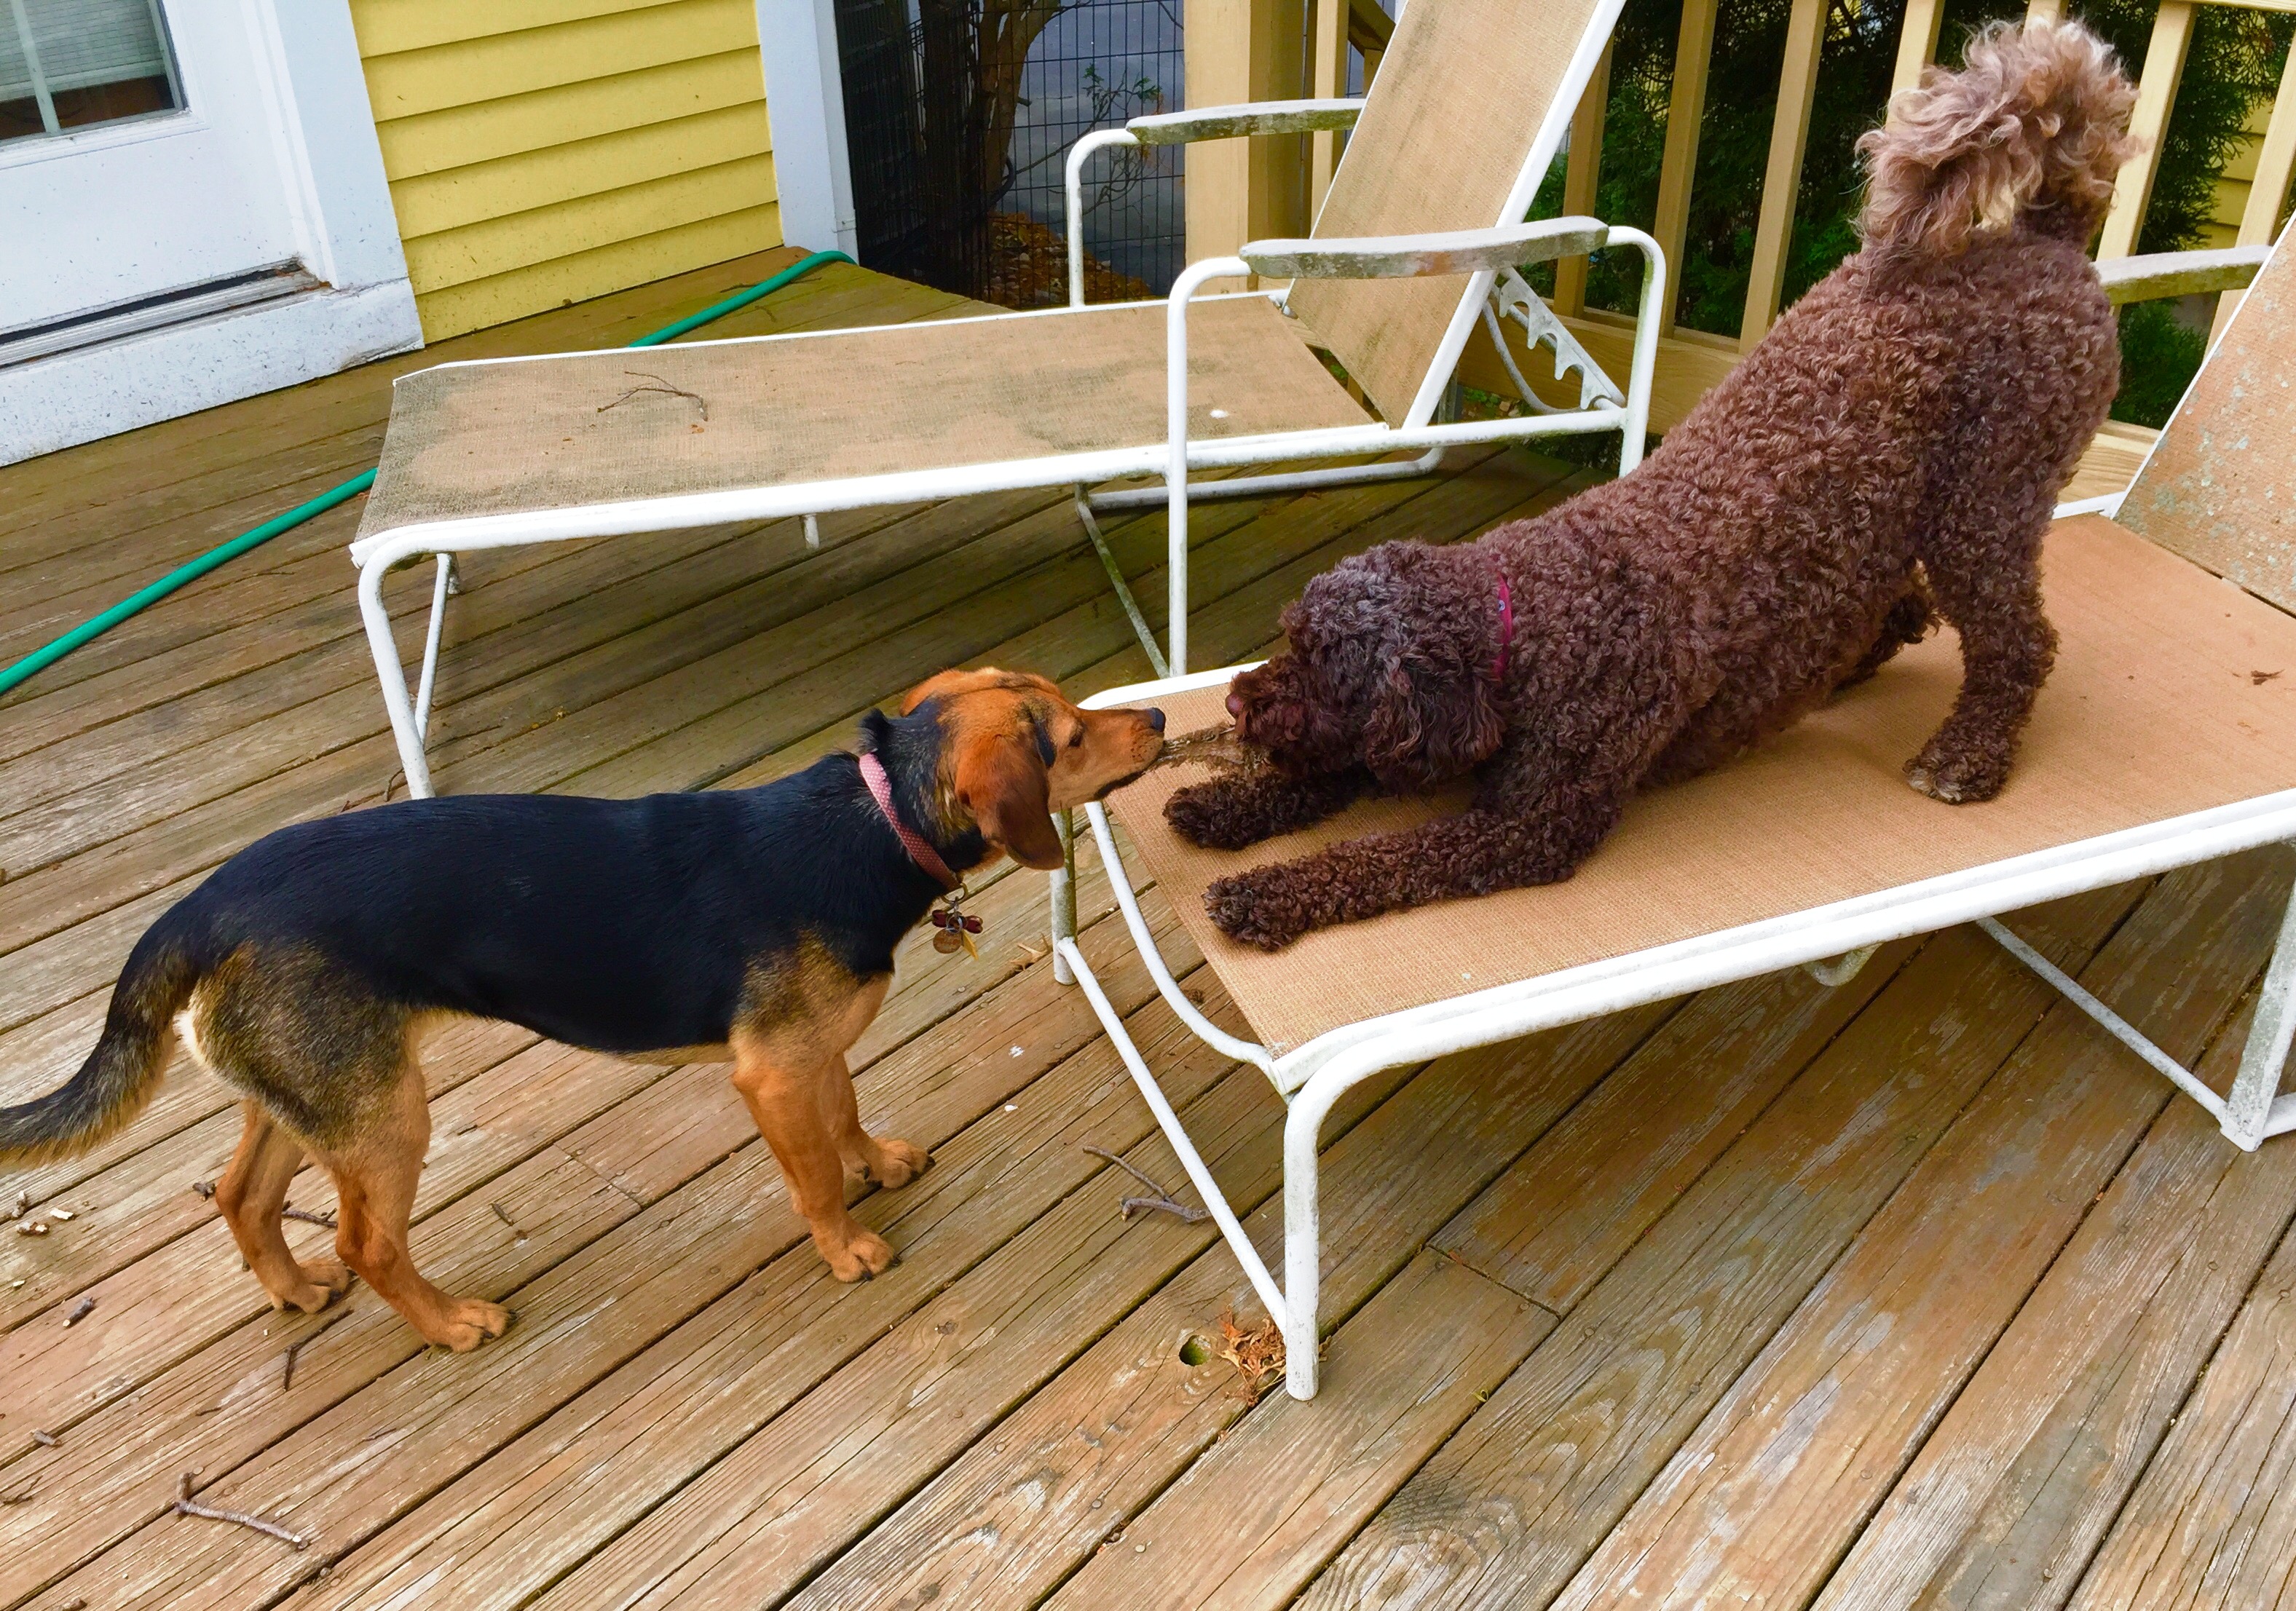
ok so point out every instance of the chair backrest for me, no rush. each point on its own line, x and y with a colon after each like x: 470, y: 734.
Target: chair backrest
x: 1468, y: 108
x: 2219, y: 486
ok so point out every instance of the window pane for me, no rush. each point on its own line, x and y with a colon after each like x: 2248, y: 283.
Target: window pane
x: 70, y: 63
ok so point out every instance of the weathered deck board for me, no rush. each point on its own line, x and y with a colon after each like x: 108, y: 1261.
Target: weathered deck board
x: 1635, y: 1237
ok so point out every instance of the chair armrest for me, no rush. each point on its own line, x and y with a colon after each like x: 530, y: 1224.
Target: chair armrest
x: 2179, y: 274
x: 1227, y: 122
x: 1459, y: 251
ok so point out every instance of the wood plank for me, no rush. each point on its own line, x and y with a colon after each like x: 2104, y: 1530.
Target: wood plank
x: 1009, y: 1520
x: 1571, y: 1206
x: 2212, y: 1524
x: 1781, y: 177
x: 1251, y: 1521
x: 2011, y: 1495
x: 1018, y: 1253
x: 1917, y: 43
x: 1511, y: 1505
x: 1810, y: 1437
x: 2156, y: 97
x: 1693, y: 54
x: 634, y: 1223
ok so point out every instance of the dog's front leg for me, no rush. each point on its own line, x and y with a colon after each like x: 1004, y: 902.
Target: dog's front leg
x: 1243, y: 808
x: 1476, y: 853
x: 783, y: 1086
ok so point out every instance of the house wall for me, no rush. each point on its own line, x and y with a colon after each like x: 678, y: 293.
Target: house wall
x: 543, y: 152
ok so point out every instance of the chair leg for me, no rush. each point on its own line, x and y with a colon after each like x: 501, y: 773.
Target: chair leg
x: 1064, y: 897
x: 2248, y: 1113
x: 1176, y: 625
x: 441, y: 590
x: 392, y: 675
x: 1302, y: 1245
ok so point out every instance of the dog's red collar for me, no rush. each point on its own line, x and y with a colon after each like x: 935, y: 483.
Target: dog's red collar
x: 881, y: 789
x: 1507, y: 632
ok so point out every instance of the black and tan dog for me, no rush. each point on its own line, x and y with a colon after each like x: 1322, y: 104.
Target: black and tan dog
x: 756, y: 925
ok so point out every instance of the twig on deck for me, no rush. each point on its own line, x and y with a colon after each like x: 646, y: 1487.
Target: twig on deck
x: 46, y: 1440
x: 185, y: 1505
x: 290, y: 1212
x: 205, y: 1189
x: 1161, y: 1202
x: 287, y: 1368
x: 659, y: 385
x: 502, y: 1215
x: 80, y: 1310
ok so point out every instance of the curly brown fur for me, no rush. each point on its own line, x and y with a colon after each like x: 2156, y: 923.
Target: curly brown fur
x: 1893, y: 447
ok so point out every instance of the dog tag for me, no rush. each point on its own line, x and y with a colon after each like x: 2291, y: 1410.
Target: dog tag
x: 950, y: 939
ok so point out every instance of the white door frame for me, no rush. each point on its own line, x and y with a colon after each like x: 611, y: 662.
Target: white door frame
x: 331, y: 168
x: 805, y: 102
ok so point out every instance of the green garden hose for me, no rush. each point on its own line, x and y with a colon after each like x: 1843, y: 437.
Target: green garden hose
x: 48, y: 654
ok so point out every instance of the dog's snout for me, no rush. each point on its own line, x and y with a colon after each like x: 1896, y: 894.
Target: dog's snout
x: 1235, y: 705
x: 1155, y: 718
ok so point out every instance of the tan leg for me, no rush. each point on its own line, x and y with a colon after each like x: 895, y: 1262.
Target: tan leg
x: 887, y: 1162
x: 781, y: 1081
x: 250, y: 1194
x: 375, y: 1177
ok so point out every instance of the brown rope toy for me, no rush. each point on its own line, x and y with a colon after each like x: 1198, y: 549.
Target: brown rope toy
x: 1217, y: 747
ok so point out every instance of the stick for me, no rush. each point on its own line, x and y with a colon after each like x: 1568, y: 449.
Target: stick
x: 659, y: 385
x: 290, y: 1212
x: 185, y: 1505
x: 80, y: 1310
x: 1162, y: 1201
x: 287, y: 1370
x: 502, y: 1215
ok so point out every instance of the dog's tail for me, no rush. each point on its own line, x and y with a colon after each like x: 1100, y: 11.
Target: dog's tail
x: 119, y: 1076
x: 2034, y: 127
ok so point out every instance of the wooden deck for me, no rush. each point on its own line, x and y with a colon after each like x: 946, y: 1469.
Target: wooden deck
x: 1916, y: 1292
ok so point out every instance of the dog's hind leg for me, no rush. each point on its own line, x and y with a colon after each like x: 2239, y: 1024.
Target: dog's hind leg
x: 250, y: 1195
x: 376, y: 1173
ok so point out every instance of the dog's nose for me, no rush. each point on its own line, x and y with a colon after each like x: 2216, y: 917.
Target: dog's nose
x: 1155, y: 718
x: 1235, y: 705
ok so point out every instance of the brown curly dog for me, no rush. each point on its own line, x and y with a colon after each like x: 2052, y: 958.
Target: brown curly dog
x: 1897, y: 442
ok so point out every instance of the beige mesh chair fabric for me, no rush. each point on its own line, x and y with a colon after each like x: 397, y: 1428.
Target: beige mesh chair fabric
x: 2152, y: 711
x: 2220, y: 485
x: 570, y: 432
x: 1464, y: 93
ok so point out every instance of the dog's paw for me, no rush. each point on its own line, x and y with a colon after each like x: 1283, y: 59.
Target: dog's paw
x: 467, y: 1322
x: 897, y: 1163
x: 862, y: 1255
x: 1256, y: 909
x: 1210, y: 815
x: 1957, y: 780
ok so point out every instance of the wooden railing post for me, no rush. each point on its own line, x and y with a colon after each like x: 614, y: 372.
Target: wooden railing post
x: 2156, y: 98
x: 2260, y: 220
x: 1917, y: 44
x: 1782, y: 178
x: 1580, y: 174
x: 1327, y: 79
x: 1693, y: 52
x: 1243, y: 190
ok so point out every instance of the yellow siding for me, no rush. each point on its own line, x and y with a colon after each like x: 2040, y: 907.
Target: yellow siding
x: 542, y: 151
x: 2233, y: 185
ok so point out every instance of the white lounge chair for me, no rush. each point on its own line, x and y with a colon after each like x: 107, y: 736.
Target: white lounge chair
x: 1419, y: 237
x: 2166, y: 736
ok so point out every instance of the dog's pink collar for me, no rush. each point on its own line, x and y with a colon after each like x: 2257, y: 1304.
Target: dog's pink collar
x: 881, y: 789
x: 1507, y: 632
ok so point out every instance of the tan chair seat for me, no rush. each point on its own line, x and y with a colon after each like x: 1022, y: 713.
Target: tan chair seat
x: 2154, y: 710
x: 567, y: 432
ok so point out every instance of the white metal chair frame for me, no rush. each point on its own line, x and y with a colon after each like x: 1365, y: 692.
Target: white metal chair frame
x: 1832, y: 942
x: 1490, y: 257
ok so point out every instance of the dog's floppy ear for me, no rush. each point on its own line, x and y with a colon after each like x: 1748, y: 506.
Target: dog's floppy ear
x: 1001, y: 780
x: 1426, y: 725
x: 939, y: 684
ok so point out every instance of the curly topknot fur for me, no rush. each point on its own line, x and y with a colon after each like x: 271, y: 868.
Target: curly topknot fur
x: 2031, y: 132
x: 1892, y: 449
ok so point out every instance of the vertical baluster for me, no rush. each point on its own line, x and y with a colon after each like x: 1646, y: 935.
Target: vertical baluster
x: 1328, y: 80
x: 2156, y: 98
x: 2260, y: 218
x: 1578, y: 176
x: 1917, y: 43
x: 1693, y: 52
x: 1782, y: 178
